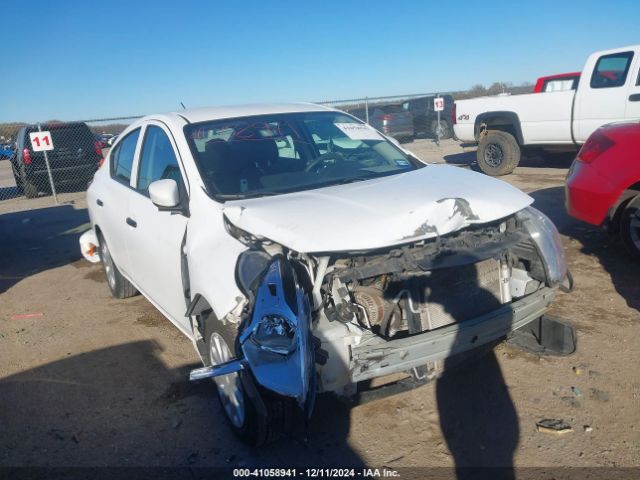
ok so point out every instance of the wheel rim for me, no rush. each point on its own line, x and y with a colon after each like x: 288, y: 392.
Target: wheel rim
x: 493, y: 155
x: 228, y: 386
x: 109, y: 266
x: 634, y: 229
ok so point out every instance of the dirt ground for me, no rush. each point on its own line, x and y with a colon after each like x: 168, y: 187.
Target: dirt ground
x: 95, y: 381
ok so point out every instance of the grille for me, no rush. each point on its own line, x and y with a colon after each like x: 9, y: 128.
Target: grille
x: 461, y: 293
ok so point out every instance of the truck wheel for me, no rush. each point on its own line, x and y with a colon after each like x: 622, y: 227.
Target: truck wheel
x: 29, y: 188
x: 240, y: 407
x: 445, y: 129
x: 120, y: 287
x: 630, y: 227
x: 498, y: 153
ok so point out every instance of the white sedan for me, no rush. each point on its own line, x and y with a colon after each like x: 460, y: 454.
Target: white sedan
x: 302, y: 252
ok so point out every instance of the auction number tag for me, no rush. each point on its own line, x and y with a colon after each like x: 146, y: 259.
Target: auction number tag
x: 358, y: 131
x: 41, y: 141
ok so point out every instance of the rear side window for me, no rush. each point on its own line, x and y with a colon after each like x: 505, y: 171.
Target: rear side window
x: 611, y: 70
x: 157, y: 160
x: 122, y: 157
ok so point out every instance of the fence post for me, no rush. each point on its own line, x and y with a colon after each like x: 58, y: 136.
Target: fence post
x: 366, y: 108
x: 46, y: 161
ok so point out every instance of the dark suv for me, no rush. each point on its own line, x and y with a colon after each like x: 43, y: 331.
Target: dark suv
x: 74, y: 159
x: 425, y: 119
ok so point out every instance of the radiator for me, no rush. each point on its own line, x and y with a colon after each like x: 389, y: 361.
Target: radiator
x: 457, y: 294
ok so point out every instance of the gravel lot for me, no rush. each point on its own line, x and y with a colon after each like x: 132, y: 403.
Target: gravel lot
x: 95, y: 381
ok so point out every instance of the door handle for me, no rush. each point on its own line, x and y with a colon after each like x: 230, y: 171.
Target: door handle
x: 634, y: 97
x: 131, y: 222
x: 99, y: 202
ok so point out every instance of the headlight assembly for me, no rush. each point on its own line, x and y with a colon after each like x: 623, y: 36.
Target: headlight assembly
x: 546, y: 237
x: 277, y: 341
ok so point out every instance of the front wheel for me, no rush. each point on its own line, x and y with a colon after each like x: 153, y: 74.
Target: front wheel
x: 630, y: 227
x: 255, y: 415
x: 498, y: 153
x: 120, y: 287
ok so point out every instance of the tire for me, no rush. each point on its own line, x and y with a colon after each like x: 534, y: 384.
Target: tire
x: 498, y: 153
x: 29, y: 188
x: 630, y: 227
x: 242, y: 412
x: 445, y: 129
x: 120, y: 287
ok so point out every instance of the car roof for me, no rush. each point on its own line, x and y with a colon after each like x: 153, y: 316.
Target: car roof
x: 197, y: 115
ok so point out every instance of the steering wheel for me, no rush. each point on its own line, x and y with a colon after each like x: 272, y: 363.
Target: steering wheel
x: 323, y: 161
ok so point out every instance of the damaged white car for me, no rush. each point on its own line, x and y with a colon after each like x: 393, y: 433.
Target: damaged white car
x: 304, y: 252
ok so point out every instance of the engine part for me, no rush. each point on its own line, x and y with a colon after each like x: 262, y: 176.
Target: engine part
x: 378, y: 311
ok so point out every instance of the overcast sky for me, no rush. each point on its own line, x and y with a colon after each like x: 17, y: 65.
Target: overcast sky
x: 88, y: 59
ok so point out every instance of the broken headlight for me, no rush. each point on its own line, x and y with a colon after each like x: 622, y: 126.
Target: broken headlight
x: 546, y: 237
x: 275, y: 333
x: 277, y: 341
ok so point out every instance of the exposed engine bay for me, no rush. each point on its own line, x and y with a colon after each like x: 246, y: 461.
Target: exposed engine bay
x: 431, y: 284
x: 344, y: 317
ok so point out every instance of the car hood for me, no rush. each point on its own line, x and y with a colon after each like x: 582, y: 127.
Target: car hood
x: 424, y: 203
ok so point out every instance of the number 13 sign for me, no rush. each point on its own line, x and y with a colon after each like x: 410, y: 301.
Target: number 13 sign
x: 41, y: 141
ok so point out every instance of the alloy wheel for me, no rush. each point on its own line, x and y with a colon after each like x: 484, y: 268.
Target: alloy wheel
x: 229, y: 386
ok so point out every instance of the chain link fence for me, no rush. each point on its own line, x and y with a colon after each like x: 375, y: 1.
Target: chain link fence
x: 55, y: 158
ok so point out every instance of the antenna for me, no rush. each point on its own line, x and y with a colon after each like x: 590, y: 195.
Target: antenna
x: 183, y: 107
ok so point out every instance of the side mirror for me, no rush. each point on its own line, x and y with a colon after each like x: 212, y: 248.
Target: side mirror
x: 164, y: 194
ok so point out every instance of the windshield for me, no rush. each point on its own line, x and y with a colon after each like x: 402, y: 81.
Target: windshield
x: 272, y: 154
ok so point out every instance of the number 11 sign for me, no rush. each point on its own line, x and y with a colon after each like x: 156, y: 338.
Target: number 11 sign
x: 41, y: 141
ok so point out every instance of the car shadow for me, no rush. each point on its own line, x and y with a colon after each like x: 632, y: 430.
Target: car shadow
x: 36, y: 240
x: 594, y: 242
x: 123, y: 406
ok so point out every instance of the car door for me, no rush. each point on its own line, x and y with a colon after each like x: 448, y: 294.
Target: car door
x: 155, y: 237
x: 602, y: 96
x: 112, y: 201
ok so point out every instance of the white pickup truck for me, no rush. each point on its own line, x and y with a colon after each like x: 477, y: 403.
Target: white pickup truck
x: 504, y: 126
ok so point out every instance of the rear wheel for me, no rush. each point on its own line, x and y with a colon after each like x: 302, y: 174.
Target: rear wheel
x: 498, y: 153
x: 630, y: 227
x: 241, y: 407
x: 120, y: 287
x: 29, y: 188
x: 445, y: 129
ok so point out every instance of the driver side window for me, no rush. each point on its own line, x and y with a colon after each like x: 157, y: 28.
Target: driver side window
x: 157, y: 160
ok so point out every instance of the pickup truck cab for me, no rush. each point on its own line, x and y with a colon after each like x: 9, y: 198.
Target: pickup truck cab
x: 504, y: 126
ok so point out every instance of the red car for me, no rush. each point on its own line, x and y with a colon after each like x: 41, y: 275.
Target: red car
x: 603, y: 184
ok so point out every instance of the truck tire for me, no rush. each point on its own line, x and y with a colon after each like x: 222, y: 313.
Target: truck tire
x: 445, y: 129
x: 29, y: 188
x: 498, y: 153
x: 239, y: 406
x: 630, y: 227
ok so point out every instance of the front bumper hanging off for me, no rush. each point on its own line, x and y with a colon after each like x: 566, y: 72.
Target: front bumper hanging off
x: 375, y: 357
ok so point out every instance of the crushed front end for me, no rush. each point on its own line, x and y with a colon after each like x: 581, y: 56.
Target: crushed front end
x: 329, y: 322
